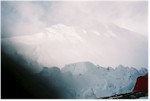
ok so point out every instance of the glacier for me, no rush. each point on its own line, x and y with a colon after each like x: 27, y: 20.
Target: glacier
x: 84, y: 80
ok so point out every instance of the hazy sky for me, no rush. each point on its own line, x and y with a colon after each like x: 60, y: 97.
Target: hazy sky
x: 20, y: 18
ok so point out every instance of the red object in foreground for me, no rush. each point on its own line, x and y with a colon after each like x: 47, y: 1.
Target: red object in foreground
x: 141, y: 84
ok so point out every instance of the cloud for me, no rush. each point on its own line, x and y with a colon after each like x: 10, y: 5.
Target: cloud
x: 22, y: 18
x: 19, y: 18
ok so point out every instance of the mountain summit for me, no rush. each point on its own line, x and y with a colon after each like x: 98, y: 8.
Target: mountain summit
x: 106, y: 44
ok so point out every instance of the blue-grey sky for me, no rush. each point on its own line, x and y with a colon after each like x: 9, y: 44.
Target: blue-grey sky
x: 28, y: 17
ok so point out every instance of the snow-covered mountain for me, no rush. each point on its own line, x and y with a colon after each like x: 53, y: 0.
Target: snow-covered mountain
x: 86, y: 80
x: 105, y: 44
x: 63, y: 49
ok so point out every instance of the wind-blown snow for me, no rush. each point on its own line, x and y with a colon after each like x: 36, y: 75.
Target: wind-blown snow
x: 106, y: 44
x: 86, y: 80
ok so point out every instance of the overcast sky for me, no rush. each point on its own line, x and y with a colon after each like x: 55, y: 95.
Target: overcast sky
x: 19, y: 18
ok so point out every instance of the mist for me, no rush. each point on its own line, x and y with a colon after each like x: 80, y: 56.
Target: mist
x: 29, y: 18
x: 19, y: 18
x: 72, y: 49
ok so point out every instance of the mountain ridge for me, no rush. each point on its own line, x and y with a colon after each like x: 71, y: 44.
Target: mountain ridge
x: 61, y: 44
x: 93, y: 82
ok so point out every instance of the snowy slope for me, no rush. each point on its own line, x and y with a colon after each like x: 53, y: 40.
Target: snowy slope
x: 106, y: 44
x: 86, y: 80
